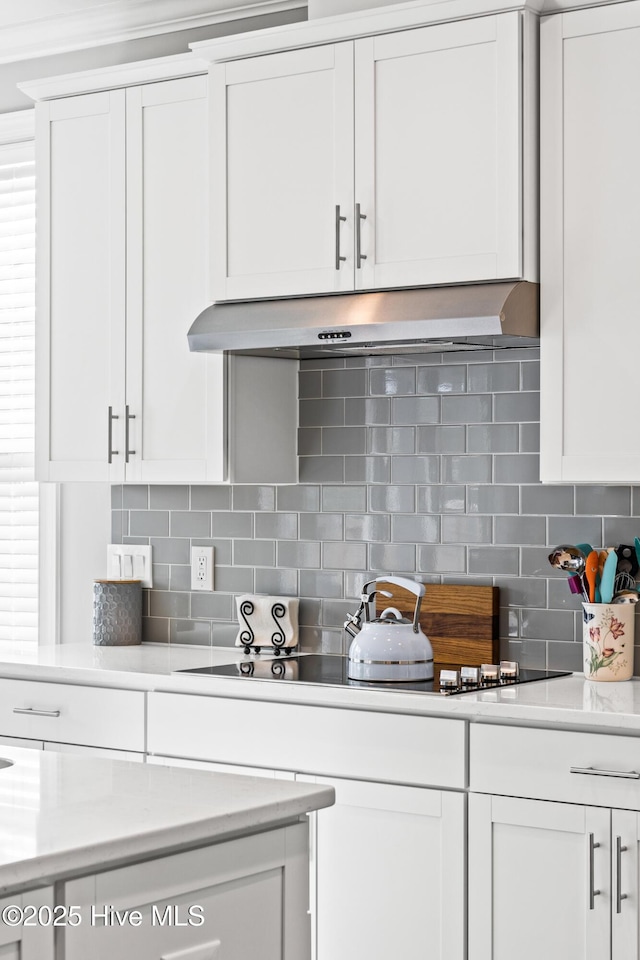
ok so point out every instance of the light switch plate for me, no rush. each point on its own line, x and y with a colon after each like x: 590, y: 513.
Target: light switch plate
x: 129, y: 561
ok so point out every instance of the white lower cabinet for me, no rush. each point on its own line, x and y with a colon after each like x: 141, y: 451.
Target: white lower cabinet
x: 195, y: 905
x: 530, y: 880
x: 388, y: 866
x: 388, y: 860
x: 32, y: 940
x: 70, y: 717
x: 550, y: 877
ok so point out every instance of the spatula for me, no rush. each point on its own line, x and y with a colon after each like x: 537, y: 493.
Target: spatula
x: 591, y: 574
x: 608, y: 577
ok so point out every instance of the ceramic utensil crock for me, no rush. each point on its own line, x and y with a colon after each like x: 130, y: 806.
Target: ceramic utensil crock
x: 608, y: 631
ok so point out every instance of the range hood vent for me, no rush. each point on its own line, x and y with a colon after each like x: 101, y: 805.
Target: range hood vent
x: 426, y: 320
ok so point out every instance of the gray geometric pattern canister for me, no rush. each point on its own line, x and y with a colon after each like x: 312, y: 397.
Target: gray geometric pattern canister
x: 117, y: 612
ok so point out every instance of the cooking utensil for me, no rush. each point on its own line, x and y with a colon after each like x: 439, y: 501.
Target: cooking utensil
x: 627, y: 560
x: 602, y: 558
x: 390, y: 647
x: 568, y: 557
x: 575, y: 584
x: 608, y: 577
x: 591, y: 573
x: 571, y: 559
x: 623, y: 581
x: 585, y: 547
x: 626, y: 596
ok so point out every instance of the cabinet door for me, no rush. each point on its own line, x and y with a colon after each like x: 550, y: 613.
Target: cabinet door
x: 282, y: 161
x: 33, y: 941
x: 590, y: 211
x: 389, y: 873
x: 625, y: 843
x: 175, y: 398
x: 530, y: 880
x: 438, y: 153
x: 243, y: 899
x: 80, y: 143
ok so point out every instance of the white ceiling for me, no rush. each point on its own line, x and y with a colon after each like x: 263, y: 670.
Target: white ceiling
x: 35, y: 28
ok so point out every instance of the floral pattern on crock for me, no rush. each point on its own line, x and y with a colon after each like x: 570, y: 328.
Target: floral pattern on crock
x: 601, y: 652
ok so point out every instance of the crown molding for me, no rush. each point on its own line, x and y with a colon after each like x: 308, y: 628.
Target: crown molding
x: 109, y: 78
x: 116, y: 21
x: 352, y: 25
x: 17, y: 127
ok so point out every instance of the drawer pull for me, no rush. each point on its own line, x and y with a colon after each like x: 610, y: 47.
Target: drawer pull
x: 592, y: 893
x: 619, y: 895
x: 625, y: 774
x: 32, y: 712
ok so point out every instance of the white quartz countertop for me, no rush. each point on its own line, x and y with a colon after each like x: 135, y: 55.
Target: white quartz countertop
x: 64, y: 815
x: 570, y: 701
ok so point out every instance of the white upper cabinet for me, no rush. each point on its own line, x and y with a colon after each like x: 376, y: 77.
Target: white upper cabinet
x: 283, y: 175
x: 386, y: 161
x: 174, y: 394
x: 590, y: 212
x: 438, y: 154
x: 123, y: 271
x: 80, y: 350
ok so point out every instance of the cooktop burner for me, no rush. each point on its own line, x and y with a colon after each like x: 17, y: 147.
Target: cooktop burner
x: 332, y: 671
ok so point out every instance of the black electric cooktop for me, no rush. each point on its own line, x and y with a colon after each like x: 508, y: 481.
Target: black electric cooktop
x: 332, y: 671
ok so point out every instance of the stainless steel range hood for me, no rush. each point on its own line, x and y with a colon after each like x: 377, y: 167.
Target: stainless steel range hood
x: 432, y: 319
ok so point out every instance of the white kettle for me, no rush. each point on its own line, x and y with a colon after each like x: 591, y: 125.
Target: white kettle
x: 391, y: 647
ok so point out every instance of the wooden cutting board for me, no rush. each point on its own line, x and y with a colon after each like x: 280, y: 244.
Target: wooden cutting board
x: 461, y: 621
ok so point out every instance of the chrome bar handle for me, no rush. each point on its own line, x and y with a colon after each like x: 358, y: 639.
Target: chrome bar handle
x: 127, y: 417
x: 339, y: 220
x: 592, y: 893
x: 32, y: 712
x: 593, y: 771
x: 619, y: 895
x: 360, y: 256
x: 111, y: 453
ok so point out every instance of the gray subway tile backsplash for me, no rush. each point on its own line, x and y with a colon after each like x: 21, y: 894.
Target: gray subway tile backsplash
x: 494, y: 377
x: 149, y: 523
x: 422, y: 465
x: 166, y: 497
x: 254, y: 497
x: 367, y: 469
x: 392, y: 382
x: 191, y: 523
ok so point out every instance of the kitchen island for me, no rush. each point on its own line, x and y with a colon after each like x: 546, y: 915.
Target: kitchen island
x: 107, y: 858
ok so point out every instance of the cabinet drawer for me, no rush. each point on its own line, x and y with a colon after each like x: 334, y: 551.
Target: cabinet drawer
x: 71, y: 714
x: 518, y: 762
x: 359, y: 744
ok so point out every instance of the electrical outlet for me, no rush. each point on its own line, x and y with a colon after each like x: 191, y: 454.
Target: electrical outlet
x: 129, y: 561
x: 202, y: 568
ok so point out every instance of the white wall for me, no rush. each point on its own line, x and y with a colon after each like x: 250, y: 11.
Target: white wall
x: 84, y: 531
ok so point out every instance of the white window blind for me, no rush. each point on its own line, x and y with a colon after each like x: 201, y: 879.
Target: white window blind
x: 18, y: 490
